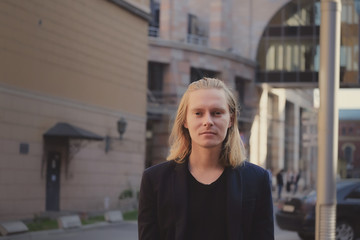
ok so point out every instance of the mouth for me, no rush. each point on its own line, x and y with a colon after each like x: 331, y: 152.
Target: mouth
x: 207, y: 133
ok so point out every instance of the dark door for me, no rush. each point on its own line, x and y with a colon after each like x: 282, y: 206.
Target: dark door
x: 53, y: 181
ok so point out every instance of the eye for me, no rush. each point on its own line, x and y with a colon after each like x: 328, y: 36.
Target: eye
x: 197, y: 113
x: 217, y: 113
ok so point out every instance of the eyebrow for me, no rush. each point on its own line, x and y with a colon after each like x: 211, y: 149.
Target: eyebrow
x: 212, y: 108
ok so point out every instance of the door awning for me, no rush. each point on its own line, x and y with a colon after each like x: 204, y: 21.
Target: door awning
x: 67, y: 130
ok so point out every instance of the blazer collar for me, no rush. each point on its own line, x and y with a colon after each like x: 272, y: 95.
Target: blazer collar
x: 181, y: 199
x: 234, y: 203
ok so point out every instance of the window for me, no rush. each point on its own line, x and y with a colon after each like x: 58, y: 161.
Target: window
x: 155, y: 19
x: 196, y: 31
x: 155, y: 76
x: 198, y: 73
x: 193, y: 24
x: 241, y: 88
x: 355, y: 194
x: 348, y: 152
x: 155, y: 14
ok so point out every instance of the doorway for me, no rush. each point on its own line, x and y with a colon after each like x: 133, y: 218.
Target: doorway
x: 53, y: 181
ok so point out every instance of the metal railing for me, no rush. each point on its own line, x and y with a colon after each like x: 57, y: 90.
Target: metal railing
x: 158, y: 97
x: 191, y: 38
x: 197, y: 40
x: 153, y: 31
x: 161, y: 103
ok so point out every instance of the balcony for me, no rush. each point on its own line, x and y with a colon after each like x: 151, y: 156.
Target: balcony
x: 161, y: 103
x: 197, y: 40
x: 191, y: 38
x: 153, y: 31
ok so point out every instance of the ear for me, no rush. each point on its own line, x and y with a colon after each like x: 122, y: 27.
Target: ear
x: 185, y: 124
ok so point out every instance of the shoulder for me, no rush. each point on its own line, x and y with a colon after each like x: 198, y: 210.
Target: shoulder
x: 252, y: 173
x: 251, y: 169
x: 255, y: 179
x: 159, y: 176
x: 159, y: 168
x: 161, y: 171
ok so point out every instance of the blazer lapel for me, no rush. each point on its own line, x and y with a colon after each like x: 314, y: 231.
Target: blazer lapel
x: 180, y: 199
x: 234, y: 204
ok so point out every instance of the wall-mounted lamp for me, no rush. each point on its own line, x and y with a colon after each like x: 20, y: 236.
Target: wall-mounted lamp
x: 121, y: 128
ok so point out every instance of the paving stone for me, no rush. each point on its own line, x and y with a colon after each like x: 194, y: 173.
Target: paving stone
x: 66, y: 222
x: 114, y: 216
x: 12, y: 227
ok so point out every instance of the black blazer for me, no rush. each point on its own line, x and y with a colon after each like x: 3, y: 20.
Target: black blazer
x: 163, y: 203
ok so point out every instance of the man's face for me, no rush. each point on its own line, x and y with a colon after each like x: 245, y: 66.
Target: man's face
x: 207, y: 118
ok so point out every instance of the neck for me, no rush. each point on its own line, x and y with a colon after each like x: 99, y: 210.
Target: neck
x: 205, y: 159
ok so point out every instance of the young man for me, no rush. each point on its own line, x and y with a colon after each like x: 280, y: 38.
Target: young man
x: 206, y: 189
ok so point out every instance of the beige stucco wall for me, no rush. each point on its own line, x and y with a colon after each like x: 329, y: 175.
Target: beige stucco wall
x: 90, y: 51
x: 92, y: 174
x: 82, y: 62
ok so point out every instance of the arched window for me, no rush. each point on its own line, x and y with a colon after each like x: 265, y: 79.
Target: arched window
x: 289, y: 48
x: 348, y: 153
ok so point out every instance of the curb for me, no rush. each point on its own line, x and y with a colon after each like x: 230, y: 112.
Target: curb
x: 33, y: 235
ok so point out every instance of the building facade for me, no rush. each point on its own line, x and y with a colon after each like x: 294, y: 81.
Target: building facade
x: 349, y: 143
x: 71, y: 79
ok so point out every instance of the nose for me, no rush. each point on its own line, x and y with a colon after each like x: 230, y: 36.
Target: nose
x: 208, y: 122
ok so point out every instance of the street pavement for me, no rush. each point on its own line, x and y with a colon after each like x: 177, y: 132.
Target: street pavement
x: 125, y: 230
x: 109, y: 231
x: 285, y: 235
x: 100, y: 231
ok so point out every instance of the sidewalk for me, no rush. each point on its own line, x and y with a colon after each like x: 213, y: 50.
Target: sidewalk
x: 125, y: 230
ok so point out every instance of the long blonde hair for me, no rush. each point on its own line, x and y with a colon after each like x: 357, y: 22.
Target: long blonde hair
x: 233, y: 151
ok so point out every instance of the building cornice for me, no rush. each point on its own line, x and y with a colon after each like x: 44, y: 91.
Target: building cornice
x: 343, y: 139
x: 136, y: 10
x: 294, y: 85
x: 158, y: 42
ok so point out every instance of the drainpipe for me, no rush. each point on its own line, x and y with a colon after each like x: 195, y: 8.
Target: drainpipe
x: 328, y: 119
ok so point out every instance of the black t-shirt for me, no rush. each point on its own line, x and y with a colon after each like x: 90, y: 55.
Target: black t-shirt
x: 207, y: 209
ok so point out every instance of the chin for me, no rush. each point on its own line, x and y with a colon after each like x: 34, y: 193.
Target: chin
x: 211, y: 145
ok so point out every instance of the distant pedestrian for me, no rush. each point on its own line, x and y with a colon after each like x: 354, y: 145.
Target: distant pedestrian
x: 280, y: 182
x: 289, y: 181
x: 297, y: 178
